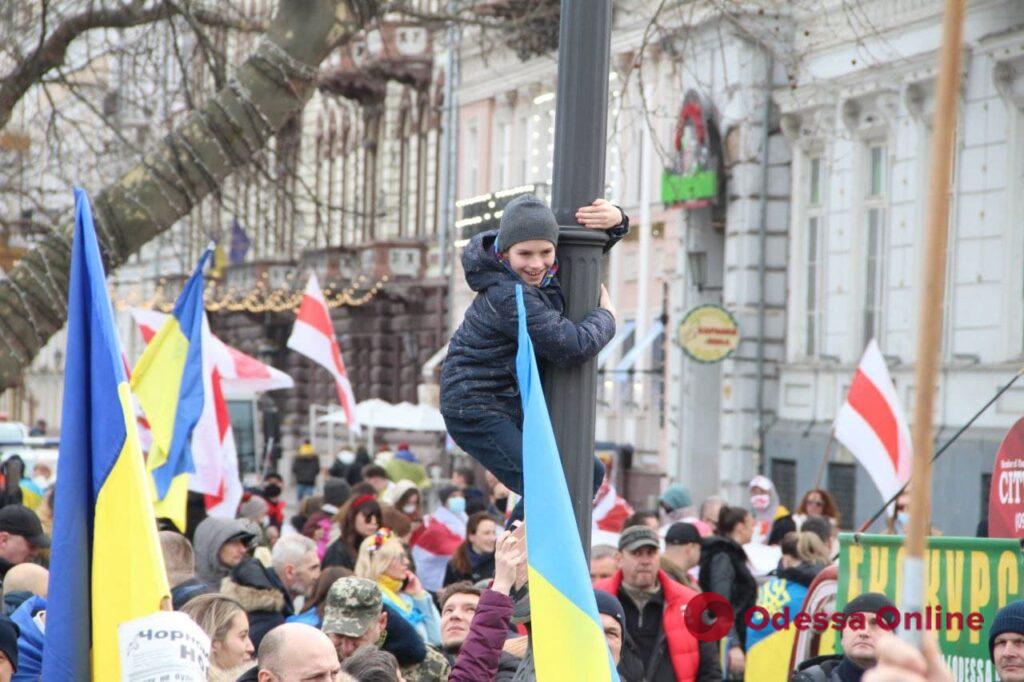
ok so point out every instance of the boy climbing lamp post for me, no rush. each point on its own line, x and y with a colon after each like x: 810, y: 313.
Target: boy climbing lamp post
x: 581, y: 117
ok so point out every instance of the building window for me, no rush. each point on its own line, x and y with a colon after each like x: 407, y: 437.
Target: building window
x: 472, y: 159
x: 875, y: 204
x: 842, y: 483
x: 784, y: 477
x: 523, y: 134
x: 504, y: 155
x: 815, y: 251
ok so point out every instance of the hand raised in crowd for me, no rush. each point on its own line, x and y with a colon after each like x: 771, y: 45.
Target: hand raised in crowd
x: 600, y: 215
x: 737, y: 662
x: 509, y: 556
x: 900, y: 662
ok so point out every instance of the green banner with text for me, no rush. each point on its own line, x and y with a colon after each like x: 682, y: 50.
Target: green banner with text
x: 966, y: 581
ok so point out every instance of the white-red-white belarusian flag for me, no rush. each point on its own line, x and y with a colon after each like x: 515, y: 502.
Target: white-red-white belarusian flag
x: 313, y: 336
x: 872, y: 426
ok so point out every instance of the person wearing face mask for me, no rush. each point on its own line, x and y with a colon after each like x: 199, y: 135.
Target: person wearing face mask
x: 442, y: 533
x: 473, y: 561
x: 897, y: 522
x: 273, y: 486
x: 405, y: 497
x: 764, y: 502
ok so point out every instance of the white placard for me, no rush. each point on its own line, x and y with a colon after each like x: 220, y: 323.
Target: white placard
x: 167, y: 645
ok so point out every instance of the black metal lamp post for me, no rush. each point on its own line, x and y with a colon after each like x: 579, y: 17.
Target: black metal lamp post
x: 580, y: 128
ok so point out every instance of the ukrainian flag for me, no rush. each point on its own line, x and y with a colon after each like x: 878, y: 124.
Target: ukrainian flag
x: 105, y: 561
x: 168, y: 382
x: 568, y: 640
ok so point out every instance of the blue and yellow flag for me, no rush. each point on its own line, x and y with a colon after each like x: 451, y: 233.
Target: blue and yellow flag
x: 168, y: 382
x: 105, y: 561
x: 568, y: 640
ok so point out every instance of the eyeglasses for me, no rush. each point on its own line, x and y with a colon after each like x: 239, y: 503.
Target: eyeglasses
x: 816, y: 503
x: 901, y: 507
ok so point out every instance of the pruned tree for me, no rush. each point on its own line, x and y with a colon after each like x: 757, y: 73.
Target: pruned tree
x: 178, y: 172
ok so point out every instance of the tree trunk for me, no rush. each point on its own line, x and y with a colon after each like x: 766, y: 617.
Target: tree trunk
x: 174, y: 176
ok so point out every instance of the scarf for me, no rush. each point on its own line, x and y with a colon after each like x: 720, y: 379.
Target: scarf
x: 389, y: 583
x: 393, y: 599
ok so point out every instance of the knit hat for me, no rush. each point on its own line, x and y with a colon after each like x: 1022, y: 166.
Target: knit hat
x: 253, y: 508
x: 524, y: 218
x: 1010, y: 618
x: 610, y: 606
x: 676, y: 497
x: 336, y: 491
x: 870, y: 602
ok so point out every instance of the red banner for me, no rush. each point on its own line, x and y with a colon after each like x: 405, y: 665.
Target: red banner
x: 1006, y: 497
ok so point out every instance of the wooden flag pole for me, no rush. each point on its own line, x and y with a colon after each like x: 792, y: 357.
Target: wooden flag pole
x: 932, y: 286
x: 826, y: 457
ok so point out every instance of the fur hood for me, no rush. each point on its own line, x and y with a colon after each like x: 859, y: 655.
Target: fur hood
x: 253, y: 598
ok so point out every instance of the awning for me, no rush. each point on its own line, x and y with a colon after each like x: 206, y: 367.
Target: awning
x: 629, y: 359
x: 379, y: 414
x: 613, y: 345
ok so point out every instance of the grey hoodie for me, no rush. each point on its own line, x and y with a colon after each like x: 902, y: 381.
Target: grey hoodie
x: 210, y: 536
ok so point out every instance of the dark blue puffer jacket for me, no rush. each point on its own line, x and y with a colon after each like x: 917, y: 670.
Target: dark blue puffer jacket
x: 479, y: 374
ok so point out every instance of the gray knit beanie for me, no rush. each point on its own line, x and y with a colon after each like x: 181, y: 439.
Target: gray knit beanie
x: 526, y: 217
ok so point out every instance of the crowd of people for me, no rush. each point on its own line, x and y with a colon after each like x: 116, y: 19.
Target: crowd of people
x: 338, y: 590
x: 396, y: 589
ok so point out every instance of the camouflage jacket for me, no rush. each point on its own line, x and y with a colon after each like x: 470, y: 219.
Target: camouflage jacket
x: 434, y: 668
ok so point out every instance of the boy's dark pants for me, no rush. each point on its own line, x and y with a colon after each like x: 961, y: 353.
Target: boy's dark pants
x: 497, y: 443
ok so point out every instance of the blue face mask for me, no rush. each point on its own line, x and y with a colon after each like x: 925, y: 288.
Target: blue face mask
x: 456, y: 505
x: 902, y: 518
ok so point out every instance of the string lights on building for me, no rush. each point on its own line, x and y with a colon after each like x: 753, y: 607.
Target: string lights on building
x: 259, y: 298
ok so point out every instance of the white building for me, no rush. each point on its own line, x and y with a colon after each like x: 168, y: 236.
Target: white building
x: 858, y: 122
x: 695, y: 423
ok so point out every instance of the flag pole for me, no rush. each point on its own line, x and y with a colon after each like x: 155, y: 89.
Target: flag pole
x: 945, y: 446
x: 932, y: 287
x: 826, y: 457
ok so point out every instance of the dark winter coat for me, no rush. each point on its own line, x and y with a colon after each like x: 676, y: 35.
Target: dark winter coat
x: 306, y: 468
x: 832, y: 668
x: 723, y: 569
x: 479, y: 373
x: 338, y: 554
x: 182, y: 592
x: 482, y: 568
x: 801, y: 574
x: 478, y: 659
x: 260, y: 592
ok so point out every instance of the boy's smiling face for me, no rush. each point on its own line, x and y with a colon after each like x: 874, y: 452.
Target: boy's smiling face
x: 532, y: 259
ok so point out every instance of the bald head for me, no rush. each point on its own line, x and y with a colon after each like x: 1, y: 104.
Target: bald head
x: 295, y: 652
x: 27, y: 578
